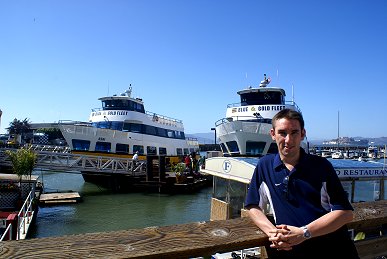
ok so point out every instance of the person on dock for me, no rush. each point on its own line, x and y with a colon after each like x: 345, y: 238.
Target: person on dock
x: 135, y: 159
x: 188, y: 163
x: 135, y: 156
x: 309, y: 206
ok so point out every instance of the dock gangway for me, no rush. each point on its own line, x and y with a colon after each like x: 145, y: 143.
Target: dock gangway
x: 76, y: 163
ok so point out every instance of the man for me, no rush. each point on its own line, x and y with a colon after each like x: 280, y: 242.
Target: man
x: 304, y: 196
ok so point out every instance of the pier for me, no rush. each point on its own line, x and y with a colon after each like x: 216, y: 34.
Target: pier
x: 188, y: 240
x: 115, y: 173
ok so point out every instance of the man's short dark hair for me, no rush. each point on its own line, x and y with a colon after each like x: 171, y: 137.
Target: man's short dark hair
x: 290, y: 115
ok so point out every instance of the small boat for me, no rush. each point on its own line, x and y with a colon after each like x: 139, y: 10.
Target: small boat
x: 326, y: 153
x: 123, y: 127
x: 372, y: 151
x: 337, y: 155
x: 245, y: 131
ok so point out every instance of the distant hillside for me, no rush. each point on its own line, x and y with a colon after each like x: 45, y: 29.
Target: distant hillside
x: 203, y: 138
x: 376, y: 141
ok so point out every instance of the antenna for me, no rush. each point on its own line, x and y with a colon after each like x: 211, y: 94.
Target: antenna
x: 108, y: 88
x: 338, y: 129
x: 293, y: 93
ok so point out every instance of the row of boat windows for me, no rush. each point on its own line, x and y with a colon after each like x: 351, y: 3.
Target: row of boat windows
x: 126, y: 105
x: 260, y: 120
x: 262, y: 98
x: 253, y: 148
x: 84, y: 145
x: 140, y: 128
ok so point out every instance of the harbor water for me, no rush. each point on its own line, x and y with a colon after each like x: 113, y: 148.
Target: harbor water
x: 103, y: 211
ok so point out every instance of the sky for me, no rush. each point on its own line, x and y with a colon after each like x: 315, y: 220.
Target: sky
x: 187, y: 59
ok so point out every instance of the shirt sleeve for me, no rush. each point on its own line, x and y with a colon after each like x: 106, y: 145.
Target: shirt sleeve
x: 338, y: 198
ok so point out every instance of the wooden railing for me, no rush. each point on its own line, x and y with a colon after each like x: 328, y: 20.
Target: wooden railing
x: 185, y: 241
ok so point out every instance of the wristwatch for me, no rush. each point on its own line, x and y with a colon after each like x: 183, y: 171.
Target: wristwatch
x: 306, y: 234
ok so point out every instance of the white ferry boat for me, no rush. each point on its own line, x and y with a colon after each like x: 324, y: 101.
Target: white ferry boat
x: 123, y: 127
x: 246, y: 129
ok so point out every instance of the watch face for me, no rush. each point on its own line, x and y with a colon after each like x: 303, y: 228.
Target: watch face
x: 306, y: 233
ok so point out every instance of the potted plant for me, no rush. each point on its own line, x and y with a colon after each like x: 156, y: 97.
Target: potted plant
x: 179, y: 169
x: 23, y: 162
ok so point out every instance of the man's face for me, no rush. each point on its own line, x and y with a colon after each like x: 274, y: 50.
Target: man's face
x: 288, y: 136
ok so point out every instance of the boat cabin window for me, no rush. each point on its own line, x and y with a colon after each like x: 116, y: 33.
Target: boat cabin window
x: 79, y: 144
x: 232, y: 146
x: 150, y: 150
x: 139, y: 149
x: 223, y: 148
x: 260, y: 98
x: 133, y: 127
x: 150, y: 130
x: 103, y: 146
x: 122, y: 148
x: 162, y: 132
x: 179, y: 135
x: 162, y: 151
x: 186, y: 151
x: 171, y: 133
x: 254, y: 148
x: 114, y: 125
x: 117, y: 104
x: 179, y: 151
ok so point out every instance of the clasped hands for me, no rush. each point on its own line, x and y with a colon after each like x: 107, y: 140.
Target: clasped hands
x: 285, y: 236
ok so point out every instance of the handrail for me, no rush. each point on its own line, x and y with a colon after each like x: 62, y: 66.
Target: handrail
x: 243, y: 119
x: 24, y: 218
x: 7, y: 230
x: 25, y: 214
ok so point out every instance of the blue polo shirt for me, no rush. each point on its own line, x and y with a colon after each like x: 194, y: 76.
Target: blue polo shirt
x: 300, y: 196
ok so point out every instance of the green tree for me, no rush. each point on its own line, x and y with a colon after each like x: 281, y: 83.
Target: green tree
x: 18, y: 127
x: 23, y: 162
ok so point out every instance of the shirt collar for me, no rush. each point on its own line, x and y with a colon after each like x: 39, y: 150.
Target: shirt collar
x: 278, y: 162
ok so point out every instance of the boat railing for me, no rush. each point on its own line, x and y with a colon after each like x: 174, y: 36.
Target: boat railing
x: 162, y: 119
x: 240, y: 126
x: 243, y: 118
x: 50, y: 148
x: 25, y: 216
x: 8, y: 231
x: 71, y: 122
